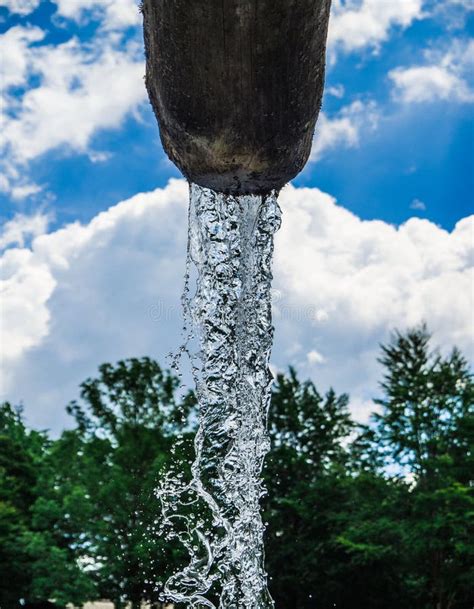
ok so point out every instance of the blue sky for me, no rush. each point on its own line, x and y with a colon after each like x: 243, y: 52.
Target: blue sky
x: 394, y: 143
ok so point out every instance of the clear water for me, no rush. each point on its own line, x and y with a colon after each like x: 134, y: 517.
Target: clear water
x: 216, y: 513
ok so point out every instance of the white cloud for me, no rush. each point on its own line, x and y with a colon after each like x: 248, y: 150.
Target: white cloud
x: 314, y: 357
x: 114, y: 14
x: 367, y: 23
x: 16, y: 56
x: 369, y: 277
x: 86, y: 294
x: 344, y: 129
x: 452, y: 14
x: 20, y: 7
x: 25, y: 190
x: 80, y: 88
x: 111, y: 289
x: 417, y: 204
x: 15, y: 230
x: 442, y: 77
x: 336, y: 91
x: 99, y: 157
x: 26, y: 284
x: 429, y: 83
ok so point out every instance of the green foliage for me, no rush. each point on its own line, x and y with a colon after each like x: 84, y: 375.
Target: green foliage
x: 307, y: 426
x: 424, y: 434
x: 319, y: 552
x: 127, y: 425
x: 55, y: 573
x: 20, y: 451
x: 304, y: 478
x: 14, y: 557
x: 18, y: 476
x: 426, y: 427
x: 359, y: 517
x: 426, y: 421
x: 37, y: 561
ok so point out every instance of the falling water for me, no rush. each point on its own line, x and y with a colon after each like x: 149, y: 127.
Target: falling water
x: 216, y: 514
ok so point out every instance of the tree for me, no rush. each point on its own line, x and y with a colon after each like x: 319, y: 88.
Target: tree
x: 37, y: 561
x: 17, y: 480
x: 375, y: 561
x: 306, y: 486
x: 425, y: 433
x: 382, y: 517
x: 20, y: 460
x: 57, y: 537
x: 309, y: 424
x: 427, y: 408
x: 107, y: 472
x: 386, y: 518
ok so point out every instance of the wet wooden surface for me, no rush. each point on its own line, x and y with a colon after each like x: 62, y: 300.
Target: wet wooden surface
x: 236, y: 86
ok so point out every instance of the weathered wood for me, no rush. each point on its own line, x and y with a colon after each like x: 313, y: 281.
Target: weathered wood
x: 236, y: 86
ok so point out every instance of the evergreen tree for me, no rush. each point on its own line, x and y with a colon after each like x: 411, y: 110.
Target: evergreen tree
x: 424, y: 433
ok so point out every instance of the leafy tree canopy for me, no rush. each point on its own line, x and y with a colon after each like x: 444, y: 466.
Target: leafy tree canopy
x: 359, y: 517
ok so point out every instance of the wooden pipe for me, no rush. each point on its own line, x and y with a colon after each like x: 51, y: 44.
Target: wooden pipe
x: 236, y: 86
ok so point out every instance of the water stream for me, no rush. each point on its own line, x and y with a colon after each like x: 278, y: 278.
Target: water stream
x: 216, y: 513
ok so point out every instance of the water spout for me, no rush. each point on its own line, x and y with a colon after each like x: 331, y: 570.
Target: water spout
x: 236, y: 86
x: 231, y: 244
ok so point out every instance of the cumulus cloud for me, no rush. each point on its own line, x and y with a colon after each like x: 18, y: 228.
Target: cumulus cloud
x: 26, y: 284
x: 368, y: 277
x: 85, y: 294
x: 356, y: 24
x: 81, y: 91
x: 16, y: 230
x: 343, y: 129
x: 112, y: 13
x: 429, y: 83
x: 20, y: 7
x: 15, y: 66
x: 442, y: 77
x: 451, y: 13
x: 60, y: 96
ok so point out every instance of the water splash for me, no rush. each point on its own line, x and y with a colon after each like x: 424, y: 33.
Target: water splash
x: 216, y: 514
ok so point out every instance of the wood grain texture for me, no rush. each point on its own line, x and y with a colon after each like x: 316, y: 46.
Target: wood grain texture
x: 236, y: 86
